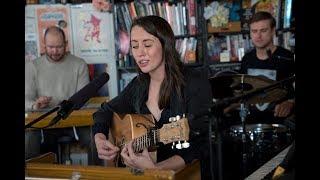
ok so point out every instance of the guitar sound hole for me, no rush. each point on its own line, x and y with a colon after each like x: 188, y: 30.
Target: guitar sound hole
x: 140, y: 124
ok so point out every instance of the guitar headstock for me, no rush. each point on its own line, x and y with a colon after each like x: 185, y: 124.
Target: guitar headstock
x: 175, y: 131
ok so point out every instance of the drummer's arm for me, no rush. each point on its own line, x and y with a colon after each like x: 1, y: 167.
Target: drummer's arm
x: 231, y: 107
x: 284, y: 108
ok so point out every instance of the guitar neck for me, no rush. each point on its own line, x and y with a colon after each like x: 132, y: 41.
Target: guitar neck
x: 149, y: 139
x: 141, y: 130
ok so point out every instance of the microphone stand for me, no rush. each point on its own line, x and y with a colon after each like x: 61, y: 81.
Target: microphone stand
x: 218, y: 111
x: 65, y: 108
x: 41, y: 117
x: 210, y: 147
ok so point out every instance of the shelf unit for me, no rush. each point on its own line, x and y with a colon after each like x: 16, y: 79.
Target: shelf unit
x: 284, y: 36
x: 203, y: 35
x: 178, y: 8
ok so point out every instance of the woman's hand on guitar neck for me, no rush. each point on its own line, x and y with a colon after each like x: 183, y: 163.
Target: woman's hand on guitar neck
x: 139, y: 160
x: 106, y: 150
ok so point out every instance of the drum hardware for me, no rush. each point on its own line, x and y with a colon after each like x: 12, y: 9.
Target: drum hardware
x: 235, y: 85
x: 264, y: 140
x: 215, y: 137
x: 243, y: 114
x: 246, y: 90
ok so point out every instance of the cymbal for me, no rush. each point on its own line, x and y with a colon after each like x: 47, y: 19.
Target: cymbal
x: 234, y: 85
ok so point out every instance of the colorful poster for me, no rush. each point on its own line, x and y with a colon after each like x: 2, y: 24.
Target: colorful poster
x: 94, y: 40
x: 93, y: 34
x: 53, y: 15
x: 31, y: 38
x: 271, y: 6
x: 31, y: 49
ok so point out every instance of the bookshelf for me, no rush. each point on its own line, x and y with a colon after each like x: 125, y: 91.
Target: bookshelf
x: 219, y: 48
x: 184, y: 16
x: 234, y: 37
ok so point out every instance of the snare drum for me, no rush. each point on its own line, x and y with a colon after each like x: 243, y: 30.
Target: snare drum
x: 264, y: 137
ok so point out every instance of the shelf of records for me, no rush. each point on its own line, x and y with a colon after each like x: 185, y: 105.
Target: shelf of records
x: 231, y: 48
x: 57, y: 1
x: 186, y: 47
x: 181, y: 15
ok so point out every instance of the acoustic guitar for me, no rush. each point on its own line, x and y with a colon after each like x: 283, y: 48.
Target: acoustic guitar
x: 141, y: 129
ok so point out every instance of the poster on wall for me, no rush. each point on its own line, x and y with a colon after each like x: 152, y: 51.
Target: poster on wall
x: 31, y: 49
x: 90, y: 35
x: 271, y: 6
x: 31, y: 38
x: 93, y: 34
x: 93, y: 40
x: 53, y: 15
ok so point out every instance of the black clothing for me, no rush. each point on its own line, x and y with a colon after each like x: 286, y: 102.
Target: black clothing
x: 197, y: 97
x: 281, y: 63
x: 277, y: 67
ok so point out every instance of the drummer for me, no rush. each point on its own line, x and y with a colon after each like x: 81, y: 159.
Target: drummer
x: 271, y: 61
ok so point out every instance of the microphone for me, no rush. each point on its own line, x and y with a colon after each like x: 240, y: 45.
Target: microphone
x: 77, y: 100
x: 284, y: 58
x: 269, y: 53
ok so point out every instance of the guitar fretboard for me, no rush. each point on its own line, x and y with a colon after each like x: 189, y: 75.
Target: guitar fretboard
x: 147, y: 140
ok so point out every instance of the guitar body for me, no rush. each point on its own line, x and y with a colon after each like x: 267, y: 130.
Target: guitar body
x: 125, y: 128
x: 141, y: 129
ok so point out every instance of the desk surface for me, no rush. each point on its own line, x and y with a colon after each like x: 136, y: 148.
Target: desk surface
x: 82, y: 117
x: 46, y: 170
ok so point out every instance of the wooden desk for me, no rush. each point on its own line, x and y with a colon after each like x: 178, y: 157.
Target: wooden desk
x: 82, y: 117
x: 78, y: 118
x: 47, y: 170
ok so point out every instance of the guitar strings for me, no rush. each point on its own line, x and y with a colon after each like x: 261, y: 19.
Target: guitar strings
x: 141, y: 142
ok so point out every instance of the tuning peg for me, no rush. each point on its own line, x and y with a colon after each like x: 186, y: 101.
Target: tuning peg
x: 185, y: 144
x: 172, y: 145
x: 178, y: 117
x: 172, y: 119
x: 178, y: 146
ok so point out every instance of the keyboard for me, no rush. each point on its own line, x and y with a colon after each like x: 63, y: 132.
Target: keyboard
x: 266, y: 171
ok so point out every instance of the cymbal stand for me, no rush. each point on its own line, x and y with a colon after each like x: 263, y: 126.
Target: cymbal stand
x: 243, y: 114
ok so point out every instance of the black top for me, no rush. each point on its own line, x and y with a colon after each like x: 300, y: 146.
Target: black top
x: 277, y: 67
x: 197, y: 97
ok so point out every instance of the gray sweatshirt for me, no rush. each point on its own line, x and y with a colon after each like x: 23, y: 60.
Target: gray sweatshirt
x: 59, y: 80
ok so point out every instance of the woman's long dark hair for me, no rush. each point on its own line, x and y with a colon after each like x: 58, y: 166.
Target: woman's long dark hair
x: 173, y: 80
